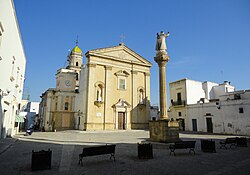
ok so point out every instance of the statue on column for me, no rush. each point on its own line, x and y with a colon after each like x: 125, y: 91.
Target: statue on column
x: 161, y: 42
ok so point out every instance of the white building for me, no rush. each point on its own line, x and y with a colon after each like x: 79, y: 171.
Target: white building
x: 209, y: 107
x: 33, y: 107
x: 227, y: 115
x: 12, y: 68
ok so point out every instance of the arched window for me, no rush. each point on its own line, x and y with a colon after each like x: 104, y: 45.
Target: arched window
x: 66, y: 106
x: 76, y: 63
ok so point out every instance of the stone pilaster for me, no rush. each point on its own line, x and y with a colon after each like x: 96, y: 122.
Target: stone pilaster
x: 107, y: 109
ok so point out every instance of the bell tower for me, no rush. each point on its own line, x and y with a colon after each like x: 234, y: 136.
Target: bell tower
x: 75, y: 61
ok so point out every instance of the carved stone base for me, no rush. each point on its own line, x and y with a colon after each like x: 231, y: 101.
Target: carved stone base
x: 164, y: 131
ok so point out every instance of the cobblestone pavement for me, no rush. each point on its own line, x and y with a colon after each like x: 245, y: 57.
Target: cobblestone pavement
x: 15, y: 155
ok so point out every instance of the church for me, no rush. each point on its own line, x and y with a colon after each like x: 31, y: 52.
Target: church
x: 110, y: 92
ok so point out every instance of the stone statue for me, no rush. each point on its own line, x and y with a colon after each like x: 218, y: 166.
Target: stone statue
x: 161, y: 41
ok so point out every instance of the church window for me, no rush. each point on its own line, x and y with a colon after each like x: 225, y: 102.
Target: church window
x: 121, y: 79
x: 76, y: 63
x: 76, y: 76
x: 122, y: 83
x: 66, y: 106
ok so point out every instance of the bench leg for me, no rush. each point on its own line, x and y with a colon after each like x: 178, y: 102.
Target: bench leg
x: 223, y: 146
x: 80, y: 160
x: 112, y: 156
x: 191, y: 150
x: 172, y: 151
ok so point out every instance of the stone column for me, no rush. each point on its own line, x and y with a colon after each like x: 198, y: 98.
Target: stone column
x: 163, y: 130
x: 162, y: 59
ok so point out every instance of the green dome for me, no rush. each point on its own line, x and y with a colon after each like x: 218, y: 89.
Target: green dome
x: 76, y: 49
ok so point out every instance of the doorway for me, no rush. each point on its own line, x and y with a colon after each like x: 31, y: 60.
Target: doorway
x: 209, y: 125
x: 181, y: 124
x: 194, y: 124
x: 121, y: 120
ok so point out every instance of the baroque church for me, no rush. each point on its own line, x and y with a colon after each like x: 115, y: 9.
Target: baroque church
x: 110, y: 92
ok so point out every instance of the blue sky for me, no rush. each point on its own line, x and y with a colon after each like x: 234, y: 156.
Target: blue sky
x: 209, y: 41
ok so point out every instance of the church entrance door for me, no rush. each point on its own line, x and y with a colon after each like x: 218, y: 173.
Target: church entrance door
x: 121, y: 120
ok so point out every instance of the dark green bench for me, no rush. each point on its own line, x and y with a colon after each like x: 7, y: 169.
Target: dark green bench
x: 182, y: 145
x: 97, y: 150
x: 231, y: 142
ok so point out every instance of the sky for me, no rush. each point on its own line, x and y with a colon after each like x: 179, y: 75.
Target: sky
x: 209, y: 39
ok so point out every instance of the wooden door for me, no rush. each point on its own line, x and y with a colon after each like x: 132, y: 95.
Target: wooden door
x: 121, y: 120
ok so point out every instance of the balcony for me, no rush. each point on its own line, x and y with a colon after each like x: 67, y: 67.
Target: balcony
x: 178, y: 103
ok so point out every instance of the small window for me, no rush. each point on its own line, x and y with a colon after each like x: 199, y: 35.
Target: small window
x: 122, y: 84
x: 179, y: 113
x: 76, y: 63
x: 66, y: 106
x: 241, y: 110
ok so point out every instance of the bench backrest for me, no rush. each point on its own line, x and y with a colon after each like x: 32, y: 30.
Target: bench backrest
x: 185, y: 144
x: 230, y: 140
x: 98, y: 150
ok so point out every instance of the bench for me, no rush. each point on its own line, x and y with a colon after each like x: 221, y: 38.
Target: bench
x: 97, y: 150
x: 182, y: 145
x: 228, y: 141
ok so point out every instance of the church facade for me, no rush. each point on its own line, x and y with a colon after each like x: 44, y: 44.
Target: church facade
x: 114, y: 90
x: 110, y: 92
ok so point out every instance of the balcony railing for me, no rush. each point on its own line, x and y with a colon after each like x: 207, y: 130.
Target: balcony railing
x: 179, y: 103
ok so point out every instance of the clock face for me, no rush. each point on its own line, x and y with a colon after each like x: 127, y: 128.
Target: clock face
x: 68, y: 83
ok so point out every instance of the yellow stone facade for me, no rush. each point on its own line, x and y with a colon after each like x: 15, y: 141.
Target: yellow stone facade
x: 114, y: 90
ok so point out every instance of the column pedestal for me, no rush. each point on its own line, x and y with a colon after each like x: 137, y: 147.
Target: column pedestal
x: 164, y: 131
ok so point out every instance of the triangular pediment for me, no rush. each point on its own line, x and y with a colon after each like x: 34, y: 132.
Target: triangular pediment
x: 122, y: 73
x: 121, y: 104
x: 119, y: 53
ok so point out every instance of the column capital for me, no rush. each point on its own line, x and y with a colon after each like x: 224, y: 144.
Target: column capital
x: 91, y: 65
x: 108, y: 67
x: 134, y: 72
x: 161, y: 57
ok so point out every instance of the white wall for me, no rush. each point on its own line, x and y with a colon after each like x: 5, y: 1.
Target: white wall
x: 194, y: 91
x: 81, y: 98
x: 222, y: 89
x: 225, y: 115
x: 12, y: 67
x: 207, y: 87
